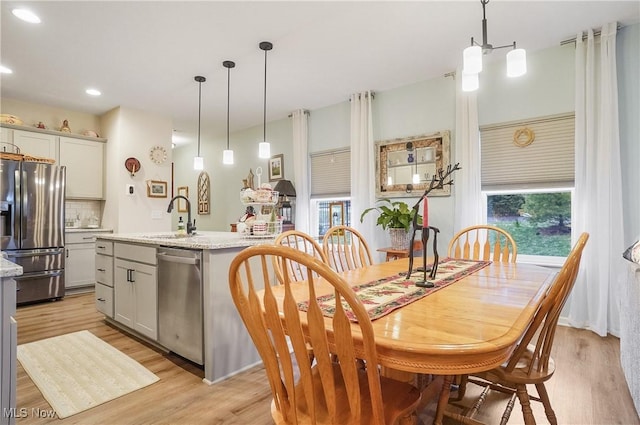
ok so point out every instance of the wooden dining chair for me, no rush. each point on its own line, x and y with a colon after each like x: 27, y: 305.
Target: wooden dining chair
x: 323, y: 391
x: 346, y: 249
x: 531, y: 361
x: 483, y: 242
x: 302, y: 242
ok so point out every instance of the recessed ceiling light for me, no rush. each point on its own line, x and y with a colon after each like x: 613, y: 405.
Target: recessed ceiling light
x: 26, y: 15
x: 93, y: 92
x: 5, y: 70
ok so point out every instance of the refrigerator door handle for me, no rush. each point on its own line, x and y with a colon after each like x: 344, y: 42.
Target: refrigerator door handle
x: 38, y: 275
x: 35, y: 253
x: 25, y: 199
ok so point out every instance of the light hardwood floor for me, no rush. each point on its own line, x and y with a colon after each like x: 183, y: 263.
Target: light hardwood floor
x: 588, y: 387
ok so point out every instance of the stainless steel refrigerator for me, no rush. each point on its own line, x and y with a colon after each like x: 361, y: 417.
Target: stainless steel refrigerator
x: 32, y: 226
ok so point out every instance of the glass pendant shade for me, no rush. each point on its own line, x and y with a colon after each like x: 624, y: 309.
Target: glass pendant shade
x: 470, y: 82
x: 416, y: 179
x: 264, y: 150
x: 472, y: 60
x: 198, y: 163
x: 516, y: 63
x: 227, y: 157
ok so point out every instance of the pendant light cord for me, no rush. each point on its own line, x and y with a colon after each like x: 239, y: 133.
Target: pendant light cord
x: 264, y: 109
x: 228, y: 96
x: 199, y: 112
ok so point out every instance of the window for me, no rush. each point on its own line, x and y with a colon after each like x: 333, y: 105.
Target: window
x: 527, y: 183
x: 539, y: 221
x: 330, y: 190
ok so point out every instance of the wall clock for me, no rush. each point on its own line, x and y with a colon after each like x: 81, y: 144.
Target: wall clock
x: 158, y: 154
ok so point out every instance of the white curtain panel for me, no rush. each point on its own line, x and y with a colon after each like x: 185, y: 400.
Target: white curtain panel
x: 362, y: 169
x: 301, y: 168
x: 467, y: 188
x: 594, y: 303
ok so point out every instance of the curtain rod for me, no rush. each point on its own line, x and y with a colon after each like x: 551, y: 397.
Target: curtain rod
x: 373, y: 96
x: 306, y: 112
x: 584, y: 36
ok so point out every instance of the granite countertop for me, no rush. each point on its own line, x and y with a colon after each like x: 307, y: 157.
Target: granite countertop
x: 201, y: 240
x: 9, y: 269
x: 85, y: 229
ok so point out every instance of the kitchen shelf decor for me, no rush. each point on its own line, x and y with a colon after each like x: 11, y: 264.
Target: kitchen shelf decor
x: 266, y: 223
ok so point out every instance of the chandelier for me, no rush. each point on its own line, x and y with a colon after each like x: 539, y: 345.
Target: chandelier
x: 472, y: 57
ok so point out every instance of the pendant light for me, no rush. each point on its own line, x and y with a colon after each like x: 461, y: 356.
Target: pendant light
x: 472, y: 57
x: 227, y: 154
x: 264, y: 149
x: 198, y: 161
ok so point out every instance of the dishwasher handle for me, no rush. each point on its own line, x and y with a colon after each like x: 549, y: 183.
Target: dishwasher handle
x: 174, y: 259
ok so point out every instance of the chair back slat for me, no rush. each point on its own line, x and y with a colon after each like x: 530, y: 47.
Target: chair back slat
x: 274, y: 324
x: 302, y: 242
x: 546, y: 318
x: 346, y: 249
x: 488, y: 242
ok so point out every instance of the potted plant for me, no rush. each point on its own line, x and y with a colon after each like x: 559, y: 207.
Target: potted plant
x: 397, y: 217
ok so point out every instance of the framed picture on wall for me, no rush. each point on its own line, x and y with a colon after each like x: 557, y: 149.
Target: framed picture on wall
x: 276, y: 167
x: 156, y: 189
x: 182, y: 204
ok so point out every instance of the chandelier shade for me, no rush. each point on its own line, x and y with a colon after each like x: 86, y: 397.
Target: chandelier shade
x: 516, y: 63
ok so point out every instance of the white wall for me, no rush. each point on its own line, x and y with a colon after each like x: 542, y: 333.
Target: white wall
x: 31, y: 114
x: 132, y: 133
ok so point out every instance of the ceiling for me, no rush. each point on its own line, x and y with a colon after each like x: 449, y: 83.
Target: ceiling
x: 144, y: 55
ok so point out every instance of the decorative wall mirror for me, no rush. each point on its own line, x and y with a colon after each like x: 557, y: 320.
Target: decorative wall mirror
x: 405, y: 166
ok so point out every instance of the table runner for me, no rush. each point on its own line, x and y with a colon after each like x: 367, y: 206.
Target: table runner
x: 380, y: 297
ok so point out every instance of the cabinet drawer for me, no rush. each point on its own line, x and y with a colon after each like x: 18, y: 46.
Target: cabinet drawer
x: 104, y: 269
x: 104, y: 299
x: 79, y: 237
x: 104, y: 247
x: 138, y: 253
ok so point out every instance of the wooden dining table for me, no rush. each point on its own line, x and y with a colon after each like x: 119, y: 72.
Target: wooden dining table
x: 469, y: 326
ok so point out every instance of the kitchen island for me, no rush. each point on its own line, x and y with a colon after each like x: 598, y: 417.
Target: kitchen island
x: 129, y: 270
x: 8, y: 340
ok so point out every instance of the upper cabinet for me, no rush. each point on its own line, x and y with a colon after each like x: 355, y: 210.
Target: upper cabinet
x: 83, y: 156
x: 36, y: 144
x: 84, y: 160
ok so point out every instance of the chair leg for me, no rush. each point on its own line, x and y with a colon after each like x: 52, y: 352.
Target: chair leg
x: 443, y: 400
x: 523, y: 396
x: 461, y: 380
x: 507, y: 412
x: 544, y: 397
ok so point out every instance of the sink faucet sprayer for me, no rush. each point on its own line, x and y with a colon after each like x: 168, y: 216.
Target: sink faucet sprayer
x: 191, y: 228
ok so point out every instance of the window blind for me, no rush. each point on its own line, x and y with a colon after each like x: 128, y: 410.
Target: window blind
x: 331, y: 174
x: 547, y: 162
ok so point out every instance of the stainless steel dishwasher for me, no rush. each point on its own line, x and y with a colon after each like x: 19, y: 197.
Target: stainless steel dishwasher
x: 180, y: 316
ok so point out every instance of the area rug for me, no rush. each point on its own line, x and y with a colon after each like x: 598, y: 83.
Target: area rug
x: 78, y: 371
x: 383, y: 296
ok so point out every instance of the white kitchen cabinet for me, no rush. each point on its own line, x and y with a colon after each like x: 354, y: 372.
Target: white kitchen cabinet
x: 84, y: 160
x: 6, y: 137
x: 135, y: 288
x: 36, y: 144
x: 104, y: 277
x: 80, y: 258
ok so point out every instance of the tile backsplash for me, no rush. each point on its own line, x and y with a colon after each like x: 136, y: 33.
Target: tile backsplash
x: 80, y: 213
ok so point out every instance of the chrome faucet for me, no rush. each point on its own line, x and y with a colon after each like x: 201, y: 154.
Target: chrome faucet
x: 191, y: 228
